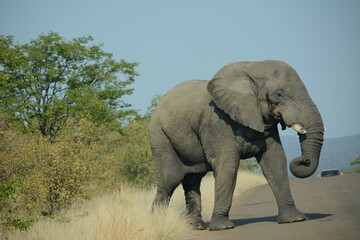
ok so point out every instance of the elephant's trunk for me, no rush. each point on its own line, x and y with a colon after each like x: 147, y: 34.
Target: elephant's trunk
x: 311, y: 141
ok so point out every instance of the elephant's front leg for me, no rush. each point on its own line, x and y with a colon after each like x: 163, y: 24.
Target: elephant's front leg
x: 273, y: 165
x: 225, y: 178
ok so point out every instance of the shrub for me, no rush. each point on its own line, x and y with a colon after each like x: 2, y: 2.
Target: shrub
x: 41, y: 176
x: 133, y: 155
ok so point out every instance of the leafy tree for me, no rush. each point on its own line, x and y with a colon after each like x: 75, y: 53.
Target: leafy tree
x: 356, y: 162
x: 47, y: 81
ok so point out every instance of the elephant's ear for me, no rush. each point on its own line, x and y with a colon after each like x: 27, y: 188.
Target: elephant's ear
x: 236, y: 96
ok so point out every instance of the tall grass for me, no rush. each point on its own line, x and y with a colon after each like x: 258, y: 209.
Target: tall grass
x: 126, y: 215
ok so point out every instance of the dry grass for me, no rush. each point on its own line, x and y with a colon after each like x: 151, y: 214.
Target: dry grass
x: 126, y: 215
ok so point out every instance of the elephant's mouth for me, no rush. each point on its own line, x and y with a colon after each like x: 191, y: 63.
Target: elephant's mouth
x: 298, y: 127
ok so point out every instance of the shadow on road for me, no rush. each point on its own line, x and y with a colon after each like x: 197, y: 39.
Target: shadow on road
x: 244, y: 221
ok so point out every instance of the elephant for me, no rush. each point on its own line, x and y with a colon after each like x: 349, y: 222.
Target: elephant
x: 201, y: 126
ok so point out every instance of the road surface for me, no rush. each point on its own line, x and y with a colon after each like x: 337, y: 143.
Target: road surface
x: 332, y: 205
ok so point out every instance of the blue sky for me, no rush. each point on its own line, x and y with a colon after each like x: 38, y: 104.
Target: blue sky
x: 178, y: 40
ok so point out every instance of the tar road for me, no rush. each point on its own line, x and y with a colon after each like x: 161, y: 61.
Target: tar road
x: 332, y: 205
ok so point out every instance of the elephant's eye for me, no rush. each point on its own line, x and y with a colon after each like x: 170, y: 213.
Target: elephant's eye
x: 279, y: 94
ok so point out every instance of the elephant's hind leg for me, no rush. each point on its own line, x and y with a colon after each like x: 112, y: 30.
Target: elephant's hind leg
x: 191, y: 185
x: 168, y: 168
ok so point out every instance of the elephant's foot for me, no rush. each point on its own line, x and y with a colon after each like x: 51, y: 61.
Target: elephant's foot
x: 219, y: 222
x: 291, y: 215
x: 198, y: 224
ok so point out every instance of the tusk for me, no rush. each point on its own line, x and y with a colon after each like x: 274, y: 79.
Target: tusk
x: 325, y: 129
x: 297, y: 127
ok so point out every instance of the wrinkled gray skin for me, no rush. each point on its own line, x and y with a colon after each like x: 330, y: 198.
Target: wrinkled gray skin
x: 202, y: 126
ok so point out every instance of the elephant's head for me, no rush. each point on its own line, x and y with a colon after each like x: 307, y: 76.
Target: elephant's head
x: 256, y: 94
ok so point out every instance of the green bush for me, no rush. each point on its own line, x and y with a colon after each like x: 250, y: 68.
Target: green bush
x: 249, y: 164
x: 357, y: 163
x: 40, y: 176
x: 134, y: 155
x: 53, y: 175
x: 7, y: 190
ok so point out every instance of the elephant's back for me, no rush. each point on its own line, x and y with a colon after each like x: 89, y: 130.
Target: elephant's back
x: 186, y: 99
x: 189, y: 88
